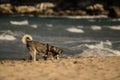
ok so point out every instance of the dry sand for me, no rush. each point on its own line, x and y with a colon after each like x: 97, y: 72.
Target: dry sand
x: 82, y: 68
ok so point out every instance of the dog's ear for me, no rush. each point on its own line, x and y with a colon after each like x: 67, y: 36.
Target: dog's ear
x: 61, y: 51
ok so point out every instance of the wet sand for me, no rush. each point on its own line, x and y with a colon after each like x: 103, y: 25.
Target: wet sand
x: 82, y: 68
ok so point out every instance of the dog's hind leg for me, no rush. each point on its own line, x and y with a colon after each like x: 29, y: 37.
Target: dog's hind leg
x: 30, y: 57
x: 33, y: 54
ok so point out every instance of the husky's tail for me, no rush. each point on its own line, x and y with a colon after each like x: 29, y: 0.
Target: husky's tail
x: 26, y: 38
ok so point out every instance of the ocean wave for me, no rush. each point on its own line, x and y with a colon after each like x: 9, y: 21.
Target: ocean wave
x: 34, y: 26
x: 7, y: 37
x: 49, y: 25
x: 115, y: 27
x: 96, y: 28
x: 92, y: 20
x: 75, y: 30
x: 100, y: 45
x: 100, y: 49
x: 6, y: 32
x: 86, y: 17
x: 24, y: 22
x: 75, y: 17
x: 80, y: 26
x: 115, y: 19
x: 100, y: 52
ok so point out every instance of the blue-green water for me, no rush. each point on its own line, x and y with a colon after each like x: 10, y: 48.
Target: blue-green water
x: 88, y: 36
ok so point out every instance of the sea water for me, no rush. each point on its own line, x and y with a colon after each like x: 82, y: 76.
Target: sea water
x: 76, y: 35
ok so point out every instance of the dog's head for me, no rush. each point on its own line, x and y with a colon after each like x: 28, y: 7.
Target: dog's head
x: 57, y: 51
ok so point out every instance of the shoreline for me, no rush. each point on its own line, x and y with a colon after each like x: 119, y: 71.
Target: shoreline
x: 81, y: 68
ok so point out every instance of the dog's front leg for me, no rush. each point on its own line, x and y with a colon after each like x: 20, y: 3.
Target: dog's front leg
x: 45, y: 57
x: 30, y: 57
x: 57, y: 57
x: 51, y: 55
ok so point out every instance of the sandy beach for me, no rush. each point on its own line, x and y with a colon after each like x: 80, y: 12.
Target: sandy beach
x: 82, y: 68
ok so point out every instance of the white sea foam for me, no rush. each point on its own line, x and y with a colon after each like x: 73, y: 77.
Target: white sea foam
x: 100, y: 49
x: 100, y: 52
x: 34, y: 26
x: 75, y: 17
x: 96, y: 28
x: 7, y: 32
x: 101, y: 45
x: 7, y: 37
x: 80, y: 26
x: 87, y: 17
x: 24, y: 22
x: 75, y: 30
x: 49, y: 25
x: 31, y: 15
x: 115, y: 19
x: 115, y: 27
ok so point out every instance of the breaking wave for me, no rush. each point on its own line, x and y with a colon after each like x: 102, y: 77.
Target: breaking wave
x: 74, y: 17
x: 34, y: 26
x: 10, y: 35
x: 7, y: 35
x: 75, y: 30
x: 96, y: 28
x: 100, y: 49
x: 115, y: 27
x: 24, y: 22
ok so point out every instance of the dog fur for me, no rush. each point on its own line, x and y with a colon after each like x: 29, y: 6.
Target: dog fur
x: 45, y: 50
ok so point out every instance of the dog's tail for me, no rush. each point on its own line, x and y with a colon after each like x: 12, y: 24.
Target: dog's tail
x: 26, y: 38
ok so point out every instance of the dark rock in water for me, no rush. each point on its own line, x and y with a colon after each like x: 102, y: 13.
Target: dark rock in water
x: 62, y: 7
x: 114, y: 11
x: 96, y: 9
x: 6, y: 8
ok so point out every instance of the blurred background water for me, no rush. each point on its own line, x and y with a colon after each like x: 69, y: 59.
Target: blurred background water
x: 77, y: 36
